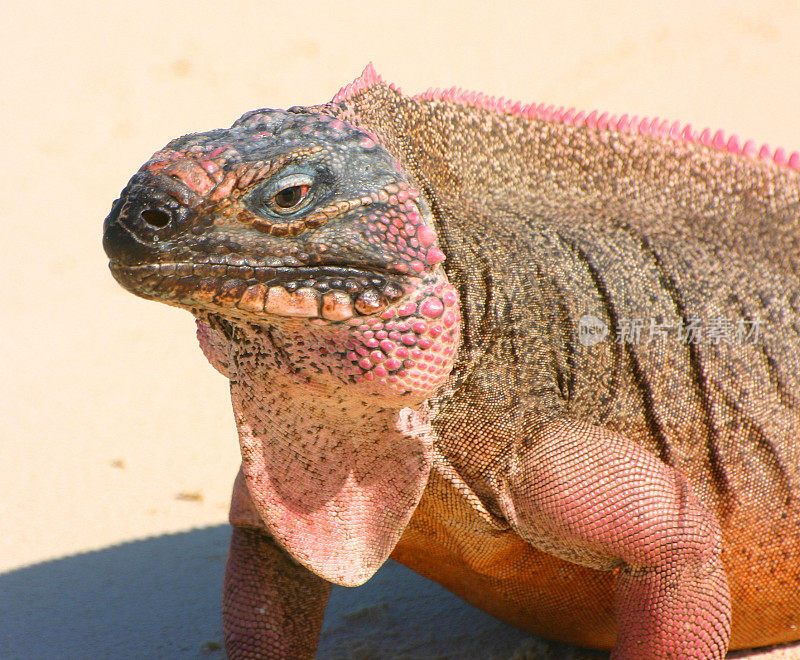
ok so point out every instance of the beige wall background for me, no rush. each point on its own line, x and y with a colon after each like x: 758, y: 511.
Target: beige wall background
x: 113, y: 426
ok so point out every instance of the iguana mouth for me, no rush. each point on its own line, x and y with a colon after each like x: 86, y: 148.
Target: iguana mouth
x: 327, y: 293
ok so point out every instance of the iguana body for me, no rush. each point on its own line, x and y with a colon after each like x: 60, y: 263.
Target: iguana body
x: 395, y: 287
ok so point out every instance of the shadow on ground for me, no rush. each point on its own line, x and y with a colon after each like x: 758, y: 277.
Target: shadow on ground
x: 160, y: 598
x: 155, y: 598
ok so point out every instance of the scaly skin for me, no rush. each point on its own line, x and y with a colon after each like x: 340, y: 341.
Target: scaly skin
x: 393, y: 286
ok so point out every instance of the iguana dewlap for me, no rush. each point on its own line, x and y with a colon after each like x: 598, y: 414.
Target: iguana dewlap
x: 551, y: 361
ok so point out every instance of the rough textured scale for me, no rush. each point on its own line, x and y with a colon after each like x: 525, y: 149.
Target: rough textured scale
x: 550, y: 360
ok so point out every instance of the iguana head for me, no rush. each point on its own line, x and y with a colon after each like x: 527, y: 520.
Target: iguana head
x: 295, y: 220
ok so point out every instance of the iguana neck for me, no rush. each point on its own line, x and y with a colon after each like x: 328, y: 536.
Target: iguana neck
x: 307, y: 382
x: 326, y: 411
x: 316, y: 455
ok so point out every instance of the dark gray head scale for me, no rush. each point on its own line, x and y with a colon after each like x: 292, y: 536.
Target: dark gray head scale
x: 296, y: 199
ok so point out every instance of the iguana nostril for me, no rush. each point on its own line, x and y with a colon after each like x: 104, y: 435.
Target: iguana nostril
x: 156, y: 218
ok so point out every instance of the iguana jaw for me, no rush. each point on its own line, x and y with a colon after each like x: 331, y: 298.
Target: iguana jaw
x: 256, y: 293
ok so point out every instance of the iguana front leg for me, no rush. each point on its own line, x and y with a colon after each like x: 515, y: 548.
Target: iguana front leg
x: 272, y: 606
x: 595, y: 498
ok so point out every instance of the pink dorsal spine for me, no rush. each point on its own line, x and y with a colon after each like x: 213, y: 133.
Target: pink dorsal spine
x: 367, y: 79
x: 654, y: 128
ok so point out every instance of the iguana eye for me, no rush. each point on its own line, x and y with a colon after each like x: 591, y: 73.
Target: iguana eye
x: 284, y: 196
x: 288, y: 199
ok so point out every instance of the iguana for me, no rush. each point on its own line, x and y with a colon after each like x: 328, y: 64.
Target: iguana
x: 550, y: 360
